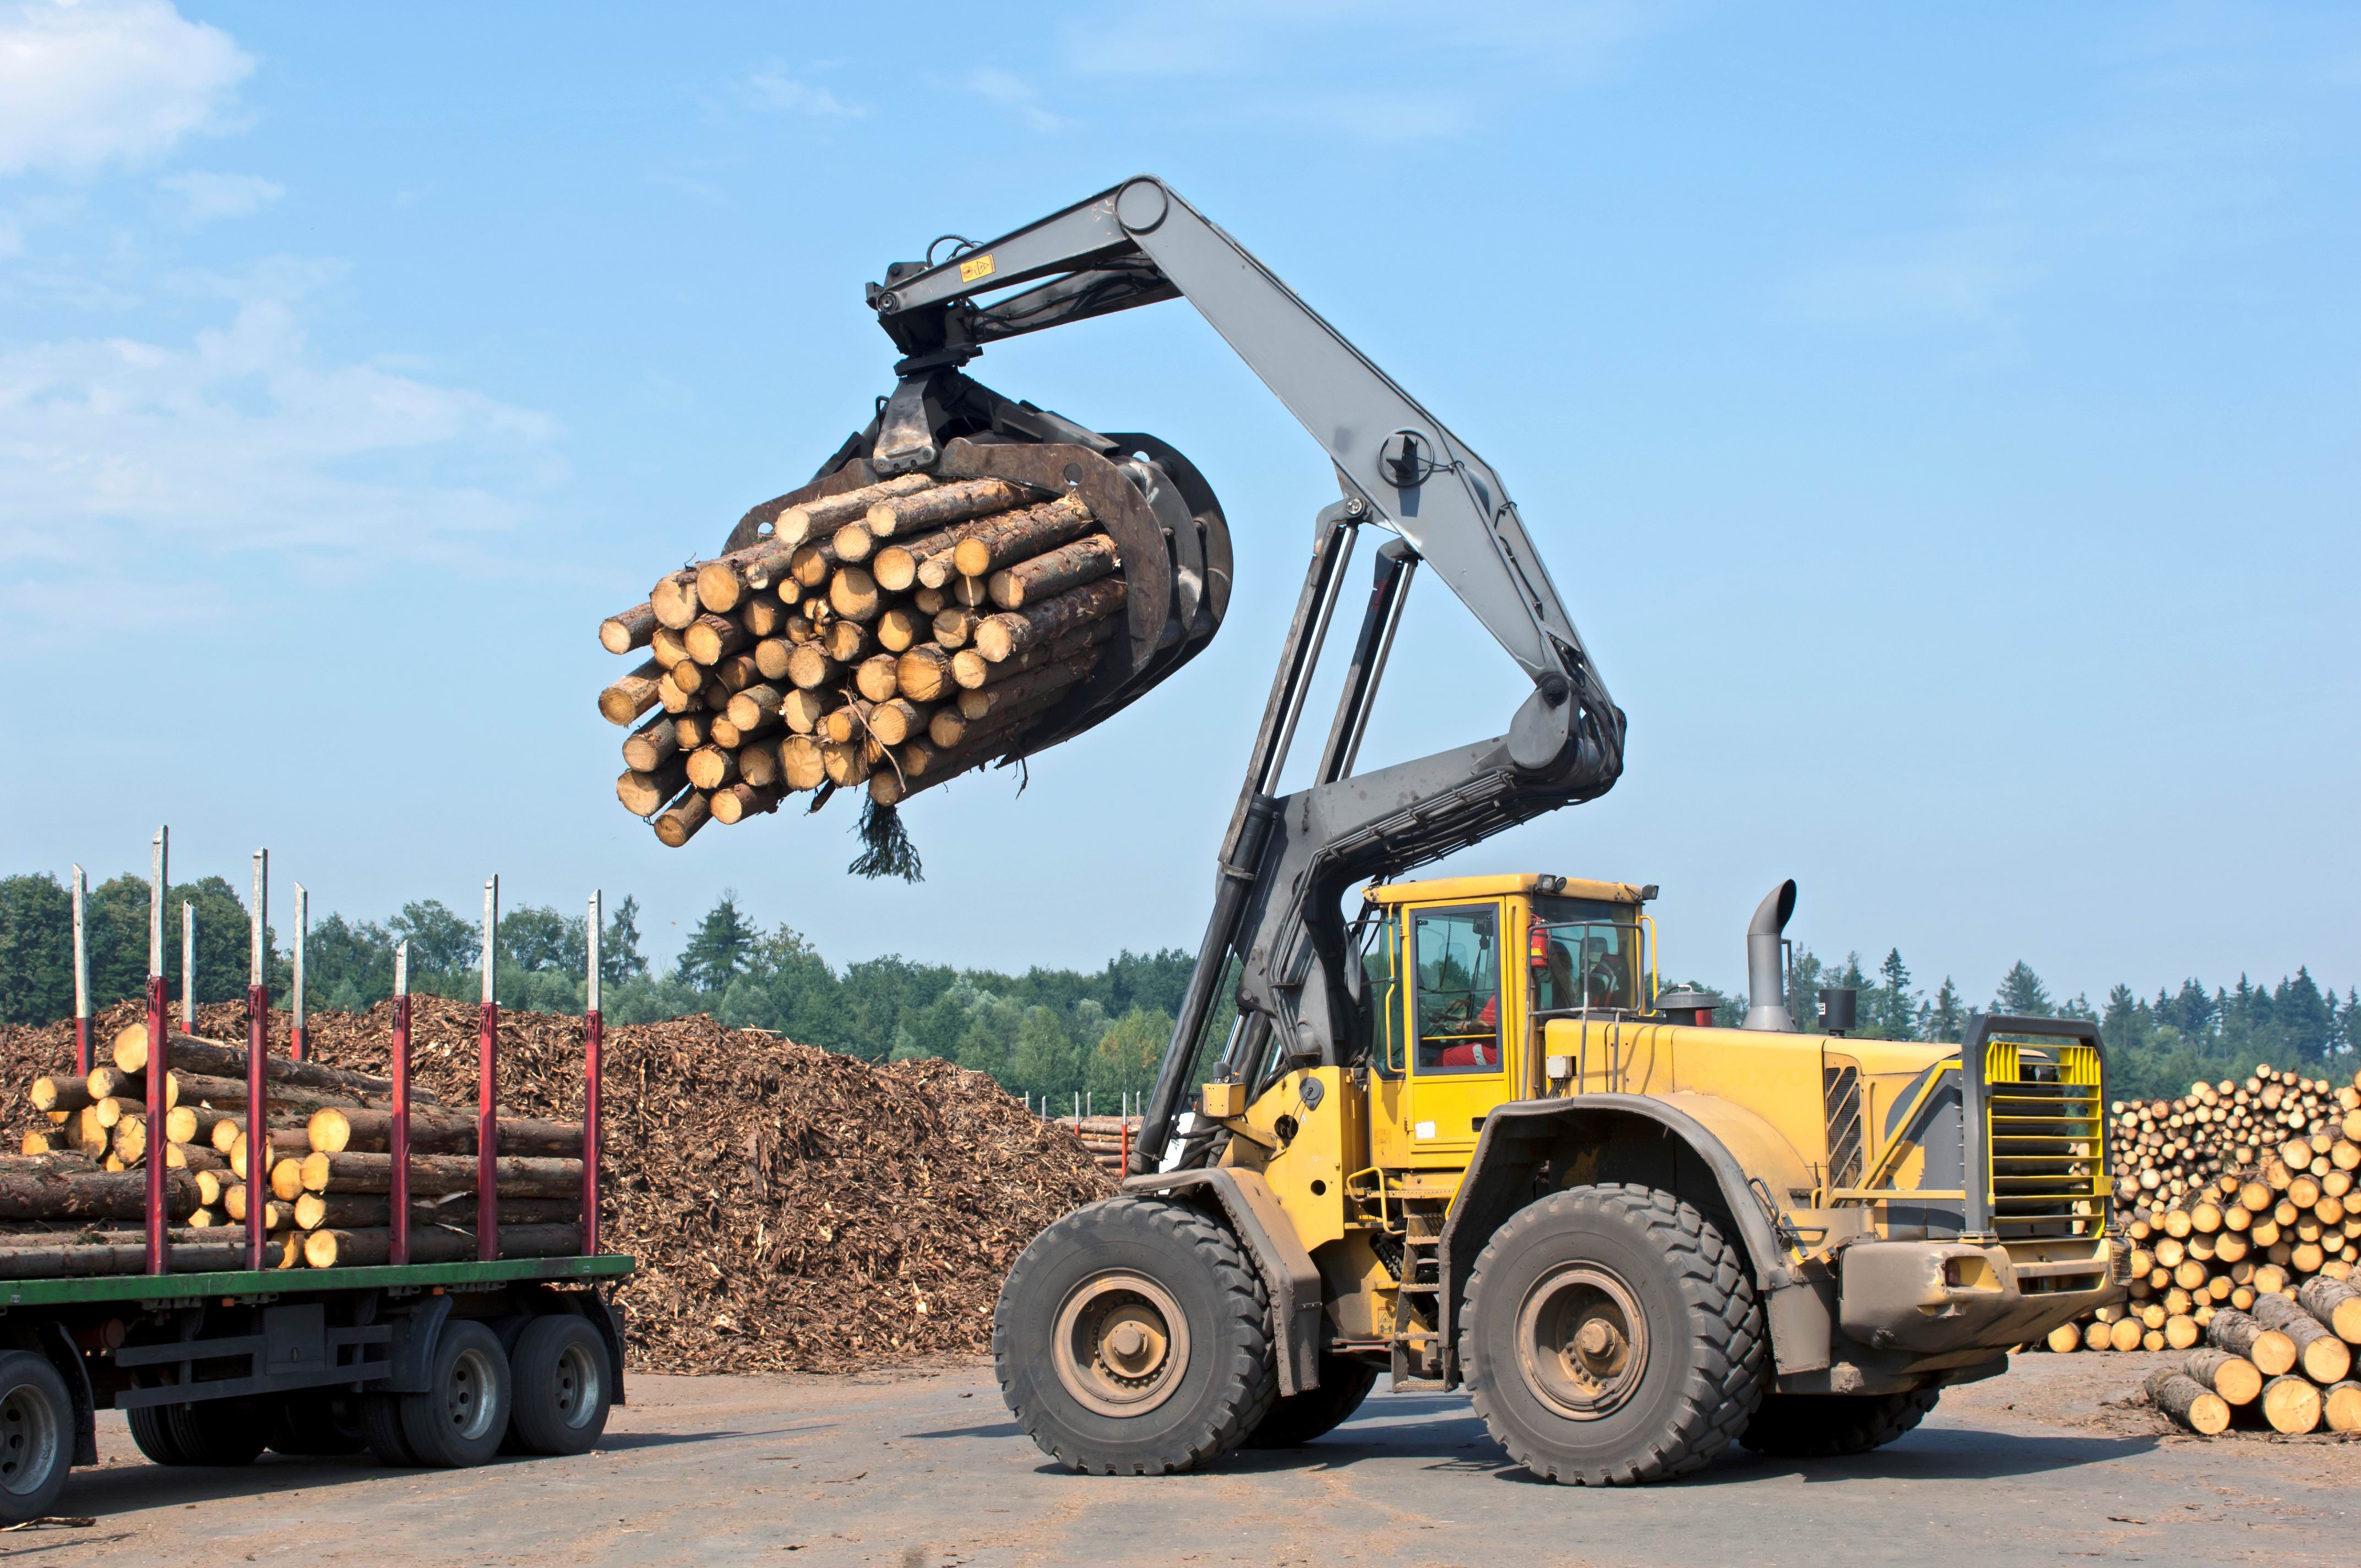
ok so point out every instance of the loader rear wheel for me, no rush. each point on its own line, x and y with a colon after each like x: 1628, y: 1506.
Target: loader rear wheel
x: 1612, y: 1337
x: 1297, y: 1419
x: 1133, y: 1338
x: 1825, y: 1426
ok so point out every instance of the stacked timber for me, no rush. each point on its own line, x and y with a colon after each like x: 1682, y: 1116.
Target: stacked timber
x: 2238, y: 1203
x: 325, y: 1159
x: 1109, y: 1138
x: 887, y: 639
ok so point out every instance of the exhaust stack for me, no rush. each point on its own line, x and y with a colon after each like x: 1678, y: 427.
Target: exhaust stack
x: 1766, y: 974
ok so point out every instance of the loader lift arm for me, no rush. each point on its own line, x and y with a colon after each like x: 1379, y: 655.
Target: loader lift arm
x: 1285, y: 862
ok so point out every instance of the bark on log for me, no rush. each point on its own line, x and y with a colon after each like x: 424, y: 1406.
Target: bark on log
x: 2335, y: 1303
x: 952, y: 728
x: 725, y: 580
x: 976, y: 702
x: 193, y: 1251
x: 353, y: 1249
x: 2186, y: 1400
x: 973, y: 671
x: 652, y: 745
x: 35, y: 1195
x: 631, y: 629
x: 2323, y: 1357
x: 644, y: 794
x: 282, y: 1098
x: 449, y: 1132
x: 62, y: 1092
x: 679, y: 825
x: 738, y: 801
x: 673, y: 598
x: 1035, y: 531
x: 797, y: 522
x: 1067, y: 566
x: 351, y: 1211
x: 954, y: 626
x: 2271, y: 1352
x: 2291, y: 1405
x: 953, y: 503
x: 752, y: 709
x: 627, y: 698
x: 999, y: 637
x: 711, y: 638
x: 2234, y: 1377
x: 517, y: 1176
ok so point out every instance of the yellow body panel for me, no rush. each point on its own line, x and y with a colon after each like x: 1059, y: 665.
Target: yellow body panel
x: 1458, y: 889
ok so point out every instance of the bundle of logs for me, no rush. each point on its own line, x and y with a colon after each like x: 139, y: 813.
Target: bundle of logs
x: 889, y: 638
x: 74, y: 1201
x: 2238, y: 1203
x: 1110, y: 1139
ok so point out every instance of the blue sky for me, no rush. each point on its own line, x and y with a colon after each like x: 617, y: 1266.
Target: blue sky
x: 1941, y: 425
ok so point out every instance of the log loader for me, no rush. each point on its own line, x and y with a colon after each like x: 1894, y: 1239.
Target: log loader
x: 1458, y: 1132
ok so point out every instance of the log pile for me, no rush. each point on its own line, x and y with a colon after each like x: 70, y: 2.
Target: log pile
x: 886, y: 638
x: 1109, y: 1138
x: 2238, y: 1203
x: 790, y: 1208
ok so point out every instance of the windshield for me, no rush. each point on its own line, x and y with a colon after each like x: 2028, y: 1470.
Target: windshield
x: 1586, y: 955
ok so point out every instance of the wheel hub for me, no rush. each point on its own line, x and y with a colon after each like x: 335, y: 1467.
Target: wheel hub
x: 28, y: 1441
x: 1121, y: 1344
x: 1582, y: 1342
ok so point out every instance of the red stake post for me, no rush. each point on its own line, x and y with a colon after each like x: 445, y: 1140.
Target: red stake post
x: 258, y: 1149
x: 157, y: 1261
x: 398, y: 1143
x: 487, y: 1122
x: 81, y: 975
x: 594, y: 1034
x: 299, y: 1038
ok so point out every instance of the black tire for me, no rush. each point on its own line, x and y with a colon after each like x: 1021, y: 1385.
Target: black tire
x: 1828, y: 1426
x: 151, y: 1430
x: 37, y: 1436
x: 1297, y: 1418
x: 381, y: 1432
x: 1664, y: 1413
x: 310, y: 1426
x: 219, y: 1432
x: 565, y: 1387
x: 1212, y: 1381
x: 463, y: 1415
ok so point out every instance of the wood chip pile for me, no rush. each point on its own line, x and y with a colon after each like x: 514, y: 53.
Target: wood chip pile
x: 790, y: 1208
x: 2237, y: 1200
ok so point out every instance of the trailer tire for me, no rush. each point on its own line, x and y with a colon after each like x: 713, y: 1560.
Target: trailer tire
x: 381, y: 1432
x: 463, y: 1415
x: 1611, y: 1337
x: 1297, y: 1418
x: 217, y: 1431
x: 1133, y: 1338
x: 37, y: 1436
x: 151, y: 1430
x: 564, y: 1387
x: 304, y: 1426
x: 1828, y: 1426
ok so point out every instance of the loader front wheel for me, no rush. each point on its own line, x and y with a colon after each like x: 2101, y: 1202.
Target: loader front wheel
x: 1611, y: 1337
x: 1828, y: 1426
x: 1133, y: 1338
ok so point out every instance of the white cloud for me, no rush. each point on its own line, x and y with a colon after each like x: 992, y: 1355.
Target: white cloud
x: 242, y: 440
x: 1006, y: 90
x: 203, y: 196
x: 88, y: 82
x: 773, y: 88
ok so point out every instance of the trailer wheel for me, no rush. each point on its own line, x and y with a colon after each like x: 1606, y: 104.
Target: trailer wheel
x: 464, y: 1413
x: 1297, y: 1418
x: 1132, y: 1337
x: 217, y: 1431
x: 307, y: 1426
x: 1825, y: 1426
x: 151, y: 1430
x: 564, y: 1386
x: 37, y: 1428
x: 1612, y: 1337
x: 381, y: 1432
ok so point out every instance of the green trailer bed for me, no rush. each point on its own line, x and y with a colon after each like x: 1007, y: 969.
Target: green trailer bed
x: 157, y: 1290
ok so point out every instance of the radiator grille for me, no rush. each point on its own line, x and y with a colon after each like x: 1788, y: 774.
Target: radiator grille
x: 2046, y: 1132
x: 1840, y: 1092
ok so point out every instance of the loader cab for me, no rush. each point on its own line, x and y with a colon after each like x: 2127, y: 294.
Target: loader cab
x: 1459, y: 974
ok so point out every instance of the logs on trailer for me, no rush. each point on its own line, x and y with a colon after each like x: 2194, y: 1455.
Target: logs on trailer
x: 1069, y: 580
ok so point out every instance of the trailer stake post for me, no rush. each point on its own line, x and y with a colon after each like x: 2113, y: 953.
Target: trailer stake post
x: 299, y: 1038
x: 188, y: 967
x: 259, y: 1147
x: 158, y: 1022
x: 399, y: 1140
x: 81, y: 972
x: 487, y: 1125
x: 594, y: 1034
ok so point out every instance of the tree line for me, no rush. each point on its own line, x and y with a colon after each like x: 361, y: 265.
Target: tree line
x: 1047, y: 1033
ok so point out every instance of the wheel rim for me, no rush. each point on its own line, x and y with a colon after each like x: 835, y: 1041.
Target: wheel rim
x: 471, y: 1399
x: 575, y: 1385
x: 28, y: 1441
x: 1121, y: 1345
x: 1582, y: 1342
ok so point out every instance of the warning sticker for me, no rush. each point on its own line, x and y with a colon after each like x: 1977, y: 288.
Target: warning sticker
x: 979, y: 267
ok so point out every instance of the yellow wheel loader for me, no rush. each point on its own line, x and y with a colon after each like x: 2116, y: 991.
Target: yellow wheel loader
x: 1458, y: 1132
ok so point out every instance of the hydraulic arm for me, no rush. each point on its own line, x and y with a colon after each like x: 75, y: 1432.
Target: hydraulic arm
x: 1286, y: 860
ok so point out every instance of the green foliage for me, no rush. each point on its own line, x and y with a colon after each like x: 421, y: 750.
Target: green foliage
x: 721, y: 946
x: 1128, y: 1054
x: 35, y: 950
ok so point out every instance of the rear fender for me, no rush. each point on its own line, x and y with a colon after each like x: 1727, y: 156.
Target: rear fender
x: 1523, y: 1140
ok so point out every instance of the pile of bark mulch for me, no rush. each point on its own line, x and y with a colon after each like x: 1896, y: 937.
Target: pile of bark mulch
x: 791, y: 1208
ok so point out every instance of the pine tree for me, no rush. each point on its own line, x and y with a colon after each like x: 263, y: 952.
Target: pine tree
x: 1893, y: 1013
x: 1945, y: 1019
x: 720, y: 948
x: 2022, y: 993
x: 620, y: 958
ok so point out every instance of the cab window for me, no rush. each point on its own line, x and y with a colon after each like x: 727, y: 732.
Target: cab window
x: 1457, y: 957
x: 1585, y: 954
x: 1381, y: 988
